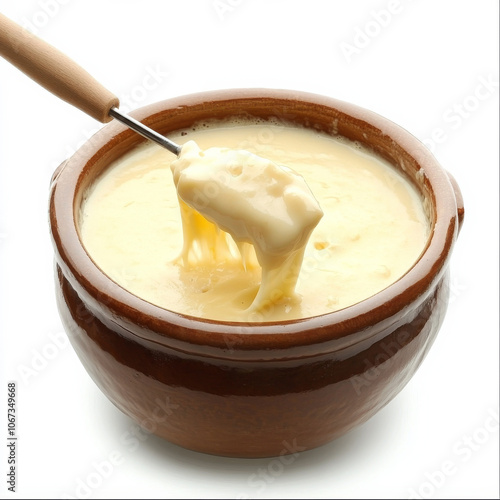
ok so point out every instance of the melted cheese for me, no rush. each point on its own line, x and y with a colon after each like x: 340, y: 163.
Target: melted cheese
x: 373, y: 229
x: 254, y: 200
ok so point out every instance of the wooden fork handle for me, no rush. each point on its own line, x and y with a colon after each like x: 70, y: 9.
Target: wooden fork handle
x: 54, y: 71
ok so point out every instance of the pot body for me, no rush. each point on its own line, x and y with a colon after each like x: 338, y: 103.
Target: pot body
x: 252, y: 390
x: 253, y: 409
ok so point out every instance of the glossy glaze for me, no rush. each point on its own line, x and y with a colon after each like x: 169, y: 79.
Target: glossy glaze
x: 253, y: 390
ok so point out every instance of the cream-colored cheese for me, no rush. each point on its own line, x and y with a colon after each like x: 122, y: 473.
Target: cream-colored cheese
x: 255, y: 201
x: 373, y: 229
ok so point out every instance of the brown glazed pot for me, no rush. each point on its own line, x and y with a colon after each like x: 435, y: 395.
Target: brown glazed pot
x: 240, y: 389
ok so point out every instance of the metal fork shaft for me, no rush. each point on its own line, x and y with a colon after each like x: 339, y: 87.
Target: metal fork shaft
x: 145, y: 131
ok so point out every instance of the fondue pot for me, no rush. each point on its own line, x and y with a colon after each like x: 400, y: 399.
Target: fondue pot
x: 253, y: 389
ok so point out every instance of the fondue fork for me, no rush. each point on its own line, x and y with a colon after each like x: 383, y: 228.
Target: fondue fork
x: 64, y: 78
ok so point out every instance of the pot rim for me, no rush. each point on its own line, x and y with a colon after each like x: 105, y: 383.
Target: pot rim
x: 330, y: 331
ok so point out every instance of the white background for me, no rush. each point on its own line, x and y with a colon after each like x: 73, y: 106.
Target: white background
x: 425, y: 69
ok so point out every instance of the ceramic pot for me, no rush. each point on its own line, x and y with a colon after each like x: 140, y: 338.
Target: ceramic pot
x: 253, y: 389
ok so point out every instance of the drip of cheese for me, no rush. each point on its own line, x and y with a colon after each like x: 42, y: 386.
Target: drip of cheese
x: 255, y: 201
x: 373, y: 229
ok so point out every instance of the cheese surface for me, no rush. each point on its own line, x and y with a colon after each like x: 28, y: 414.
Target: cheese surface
x: 372, y: 231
